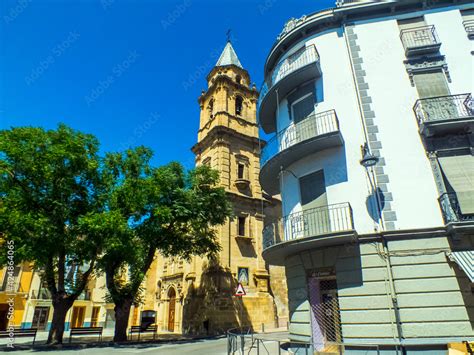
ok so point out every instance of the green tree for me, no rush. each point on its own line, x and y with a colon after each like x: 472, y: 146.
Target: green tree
x: 48, y: 180
x: 150, y: 210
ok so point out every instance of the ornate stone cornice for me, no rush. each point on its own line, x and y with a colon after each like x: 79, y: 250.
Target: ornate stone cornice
x: 228, y: 82
x: 224, y: 134
x: 225, y: 113
x: 426, y: 64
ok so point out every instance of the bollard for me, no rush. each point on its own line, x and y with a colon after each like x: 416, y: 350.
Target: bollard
x: 263, y: 328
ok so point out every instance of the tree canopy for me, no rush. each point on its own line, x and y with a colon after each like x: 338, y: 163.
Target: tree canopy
x: 49, y: 179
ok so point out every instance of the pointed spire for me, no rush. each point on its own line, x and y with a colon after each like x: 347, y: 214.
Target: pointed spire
x: 228, y: 57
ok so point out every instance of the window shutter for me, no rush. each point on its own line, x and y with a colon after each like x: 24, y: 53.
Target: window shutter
x: 431, y: 84
x: 313, y: 190
x: 302, y: 109
x: 314, y: 202
x: 411, y: 23
x: 299, y: 93
x: 459, y: 171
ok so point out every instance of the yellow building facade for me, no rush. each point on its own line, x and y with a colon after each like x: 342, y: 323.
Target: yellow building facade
x: 198, y: 297
x: 26, y: 303
x: 14, y: 290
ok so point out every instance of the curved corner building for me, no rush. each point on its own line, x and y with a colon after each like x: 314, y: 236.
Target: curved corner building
x: 371, y: 112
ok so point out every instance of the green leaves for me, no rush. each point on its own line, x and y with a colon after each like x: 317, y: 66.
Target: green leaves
x: 60, y: 200
x: 48, y: 180
x: 164, y: 209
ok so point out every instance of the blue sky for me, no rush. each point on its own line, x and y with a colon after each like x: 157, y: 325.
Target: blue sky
x: 129, y: 72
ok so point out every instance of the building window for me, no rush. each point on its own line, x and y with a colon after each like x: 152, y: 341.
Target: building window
x: 211, y: 108
x: 313, y: 190
x: 431, y: 84
x: 240, y: 171
x: 314, y: 202
x: 241, y: 225
x: 303, y: 108
x: 238, y: 105
x: 301, y: 103
x: 238, y: 79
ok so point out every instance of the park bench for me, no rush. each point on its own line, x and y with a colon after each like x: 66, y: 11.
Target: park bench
x: 20, y: 333
x: 86, y: 331
x: 138, y: 329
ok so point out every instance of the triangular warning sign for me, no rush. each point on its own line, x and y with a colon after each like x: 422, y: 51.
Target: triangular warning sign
x: 240, y: 290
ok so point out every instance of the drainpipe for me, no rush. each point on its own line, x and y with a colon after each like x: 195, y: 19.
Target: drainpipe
x: 386, y: 253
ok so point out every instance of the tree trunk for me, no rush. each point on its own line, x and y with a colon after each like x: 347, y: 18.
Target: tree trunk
x: 122, y: 314
x: 56, y: 332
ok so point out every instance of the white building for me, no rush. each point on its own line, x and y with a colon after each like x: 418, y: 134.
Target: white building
x: 378, y: 253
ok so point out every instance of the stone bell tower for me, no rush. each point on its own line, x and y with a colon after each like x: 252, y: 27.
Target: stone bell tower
x: 228, y: 142
x: 197, y: 297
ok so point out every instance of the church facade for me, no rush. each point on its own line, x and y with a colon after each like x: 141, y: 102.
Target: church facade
x: 197, y: 297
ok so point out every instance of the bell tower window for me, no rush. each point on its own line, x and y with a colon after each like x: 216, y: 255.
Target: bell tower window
x: 238, y: 105
x: 241, y: 171
x: 241, y: 225
x: 238, y: 79
x: 211, y: 108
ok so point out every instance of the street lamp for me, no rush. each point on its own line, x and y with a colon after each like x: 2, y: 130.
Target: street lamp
x: 368, y: 159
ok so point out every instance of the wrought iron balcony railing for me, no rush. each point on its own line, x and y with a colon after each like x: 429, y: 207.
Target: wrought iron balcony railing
x: 300, y: 59
x: 309, y: 223
x: 444, y: 109
x: 420, y: 40
x: 469, y: 27
x: 451, y: 209
x: 314, y: 125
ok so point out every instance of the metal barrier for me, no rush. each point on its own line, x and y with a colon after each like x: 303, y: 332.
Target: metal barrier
x: 469, y: 27
x: 246, y: 342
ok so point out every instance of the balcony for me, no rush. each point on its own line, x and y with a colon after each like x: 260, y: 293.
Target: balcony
x: 445, y: 114
x: 420, y: 40
x: 294, y: 70
x: 315, y: 133
x: 451, y: 210
x: 469, y: 27
x: 316, y: 227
